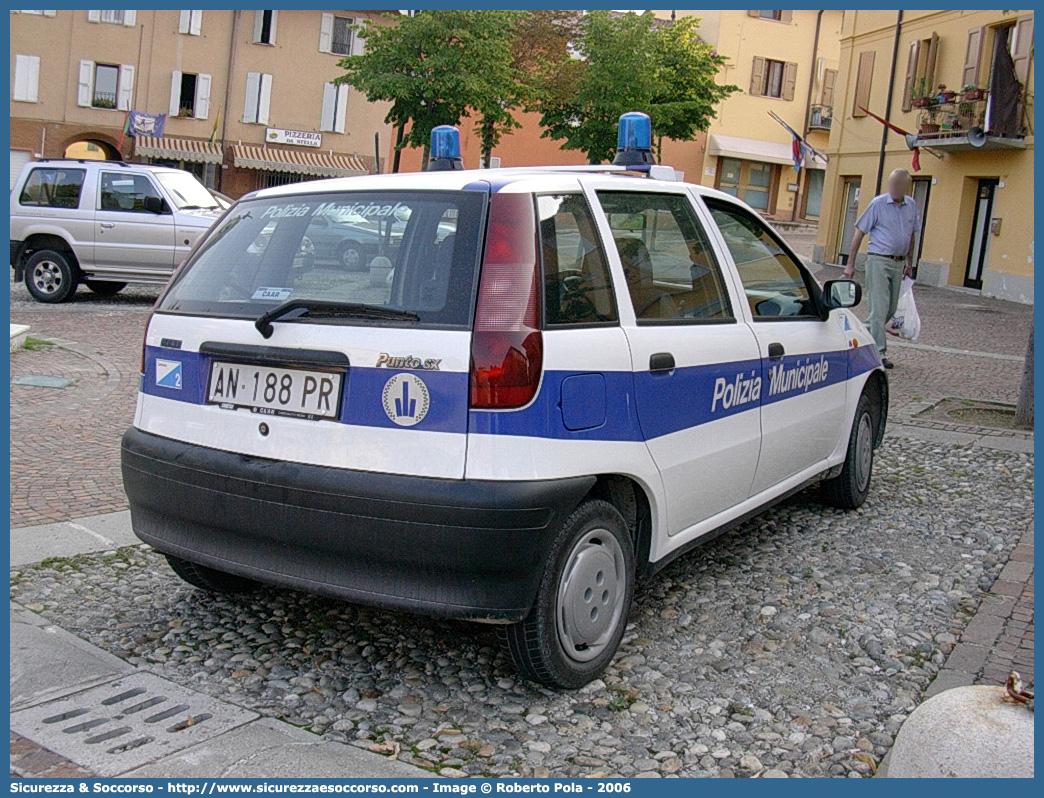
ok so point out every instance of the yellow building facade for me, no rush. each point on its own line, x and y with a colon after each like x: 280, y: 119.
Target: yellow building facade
x: 784, y: 62
x: 961, y: 84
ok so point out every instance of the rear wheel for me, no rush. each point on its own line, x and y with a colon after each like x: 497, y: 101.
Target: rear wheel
x: 849, y: 489
x: 208, y: 578
x: 581, y: 607
x: 105, y: 287
x: 50, y: 276
x: 352, y: 256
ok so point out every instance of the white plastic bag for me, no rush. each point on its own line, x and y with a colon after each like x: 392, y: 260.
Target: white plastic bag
x: 905, y: 323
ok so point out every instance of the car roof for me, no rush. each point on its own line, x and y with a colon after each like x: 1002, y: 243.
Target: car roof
x: 93, y: 162
x: 519, y: 178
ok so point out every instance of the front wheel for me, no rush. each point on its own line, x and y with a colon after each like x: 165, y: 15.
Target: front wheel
x: 50, y: 276
x: 581, y: 607
x: 849, y: 489
x: 208, y: 578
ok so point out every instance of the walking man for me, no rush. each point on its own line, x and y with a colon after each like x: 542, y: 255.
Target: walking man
x: 891, y: 221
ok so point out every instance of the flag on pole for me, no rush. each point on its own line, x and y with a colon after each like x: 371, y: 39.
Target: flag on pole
x: 125, y: 130
x: 915, y: 163
x: 799, y: 148
x: 214, y: 130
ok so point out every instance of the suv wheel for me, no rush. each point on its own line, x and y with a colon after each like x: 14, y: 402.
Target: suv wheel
x: 50, y: 276
x: 849, y: 489
x: 351, y: 256
x: 580, y: 611
x: 105, y: 287
x: 208, y: 578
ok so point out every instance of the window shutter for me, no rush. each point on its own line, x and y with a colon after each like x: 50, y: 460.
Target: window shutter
x: 196, y: 23
x: 33, y: 82
x: 94, y: 16
x: 757, y: 76
x: 185, y: 22
x: 342, y: 109
x: 253, y: 89
x: 326, y: 33
x: 130, y: 18
x: 929, y: 62
x: 175, y: 93
x: 1022, y: 48
x: 789, y: 80
x: 125, y: 92
x: 50, y: 13
x: 786, y: 17
x: 86, y: 87
x: 202, y: 96
x: 326, y: 121
x: 864, y: 75
x: 265, y: 99
x: 259, y: 21
x: 972, y: 57
x: 22, y: 78
x: 829, y: 79
x: 753, y: 13
x: 275, y: 20
x: 911, y: 74
x: 358, y: 43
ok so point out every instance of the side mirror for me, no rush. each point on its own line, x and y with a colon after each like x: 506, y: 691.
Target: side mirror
x: 842, y: 294
x: 156, y: 205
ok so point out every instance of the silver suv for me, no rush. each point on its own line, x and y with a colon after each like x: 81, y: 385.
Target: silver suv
x: 103, y: 223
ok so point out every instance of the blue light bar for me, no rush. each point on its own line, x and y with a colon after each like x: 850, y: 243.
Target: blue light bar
x: 445, y: 149
x: 634, y: 140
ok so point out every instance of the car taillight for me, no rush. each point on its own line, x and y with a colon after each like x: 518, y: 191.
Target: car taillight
x: 145, y: 338
x: 507, y: 348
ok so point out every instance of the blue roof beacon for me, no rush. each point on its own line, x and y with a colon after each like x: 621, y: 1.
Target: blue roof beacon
x: 634, y: 141
x: 445, y: 150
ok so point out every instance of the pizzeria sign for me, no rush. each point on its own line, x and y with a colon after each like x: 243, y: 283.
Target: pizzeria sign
x: 299, y: 138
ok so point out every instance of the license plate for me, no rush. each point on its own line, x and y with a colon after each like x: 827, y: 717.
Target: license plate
x: 275, y: 391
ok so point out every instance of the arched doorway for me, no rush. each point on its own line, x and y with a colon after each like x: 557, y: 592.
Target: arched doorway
x: 92, y: 150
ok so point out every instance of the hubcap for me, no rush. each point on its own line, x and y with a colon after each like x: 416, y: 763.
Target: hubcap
x: 591, y: 595
x: 47, y: 277
x: 350, y: 258
x: 864, y: 451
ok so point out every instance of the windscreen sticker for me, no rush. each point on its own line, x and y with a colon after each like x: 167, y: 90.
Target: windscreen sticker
x: 406, y: 399
x: 273, y: 294
x: 367, y: 210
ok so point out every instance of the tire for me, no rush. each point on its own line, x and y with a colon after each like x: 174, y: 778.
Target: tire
x: 580, y: 611
x: 849, y: 489
x: 51, y: 276
x: 351, y: 256
x: 105, y: 287
x: 209, y: 579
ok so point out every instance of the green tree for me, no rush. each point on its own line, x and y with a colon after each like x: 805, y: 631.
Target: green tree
x: 435, y: 68
x: 631, y: 62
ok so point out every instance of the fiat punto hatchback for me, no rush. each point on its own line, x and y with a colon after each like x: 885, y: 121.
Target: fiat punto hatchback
x: 539, y: 386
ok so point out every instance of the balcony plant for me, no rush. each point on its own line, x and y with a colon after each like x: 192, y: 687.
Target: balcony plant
x: 919, y: 94
x: 944, y: 95
x: 972, y: 93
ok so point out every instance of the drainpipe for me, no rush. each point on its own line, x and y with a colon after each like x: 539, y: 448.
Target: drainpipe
x: 808, y: 107
x: 228, y: 95
x: 888, y: 102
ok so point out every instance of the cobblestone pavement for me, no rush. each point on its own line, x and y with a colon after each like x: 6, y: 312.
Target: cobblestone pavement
x: 32, y: 761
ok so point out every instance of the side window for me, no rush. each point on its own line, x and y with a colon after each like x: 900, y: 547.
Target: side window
x: 125, y: 192
x: 670, y: 268
x: 577, y: 287
x: 774, y: 283
x: 53, y: 188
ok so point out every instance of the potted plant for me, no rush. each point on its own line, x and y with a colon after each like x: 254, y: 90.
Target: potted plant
x: 972, y: 93
x: 929, y: 121
x: 919, y: 94
x: 944, y: 95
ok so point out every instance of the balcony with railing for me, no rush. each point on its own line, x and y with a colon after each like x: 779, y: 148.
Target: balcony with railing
x: 972, y: 120
x: 821, y: 117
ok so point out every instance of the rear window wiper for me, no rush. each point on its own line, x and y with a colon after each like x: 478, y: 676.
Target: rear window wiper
x: 318, y: 307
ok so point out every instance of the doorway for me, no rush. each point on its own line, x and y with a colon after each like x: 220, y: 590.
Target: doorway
x: 922, y: 187
x: 979, y: 250
x: 849, y: 214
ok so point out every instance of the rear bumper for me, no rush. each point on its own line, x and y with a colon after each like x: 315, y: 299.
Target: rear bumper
x: 452, y: 548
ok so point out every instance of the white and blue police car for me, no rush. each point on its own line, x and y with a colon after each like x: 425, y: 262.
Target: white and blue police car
x: 539, y: 385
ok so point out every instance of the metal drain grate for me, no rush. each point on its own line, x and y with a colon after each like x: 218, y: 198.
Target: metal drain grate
x: 124, y: 724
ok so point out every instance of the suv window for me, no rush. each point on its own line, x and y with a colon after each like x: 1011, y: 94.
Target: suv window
x: 577, y: 288
x: 773, y: 281
x: 671, y: 272
x: 121, y: 191
x: 53, y: 188
x: 411, y: 251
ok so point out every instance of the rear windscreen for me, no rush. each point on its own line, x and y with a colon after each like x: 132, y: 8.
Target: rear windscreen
x: 410, y: 251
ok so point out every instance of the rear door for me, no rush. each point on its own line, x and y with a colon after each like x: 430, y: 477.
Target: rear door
x: 696, y: 365
x: 128, y: 239
x: 376, y: 379
x: 804, y: 359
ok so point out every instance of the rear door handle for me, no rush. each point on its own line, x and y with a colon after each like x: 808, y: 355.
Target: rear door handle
x: 775, y: 351
x: 108, y: 225
x: 661, y: 361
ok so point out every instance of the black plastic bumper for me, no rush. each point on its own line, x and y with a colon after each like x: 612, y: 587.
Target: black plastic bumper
x: 453, y: 548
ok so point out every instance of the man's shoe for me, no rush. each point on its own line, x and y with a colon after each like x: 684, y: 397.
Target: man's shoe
x: 887, y: 363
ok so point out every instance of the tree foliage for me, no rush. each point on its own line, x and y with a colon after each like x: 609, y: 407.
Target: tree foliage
x: 631, y: 62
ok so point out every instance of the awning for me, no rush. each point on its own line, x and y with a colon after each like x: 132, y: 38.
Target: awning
x: 303, y: 162
x: 178, y: 149
x: 756, y: 150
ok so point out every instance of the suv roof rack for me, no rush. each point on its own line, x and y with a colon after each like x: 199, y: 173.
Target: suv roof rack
x: 90, y: 160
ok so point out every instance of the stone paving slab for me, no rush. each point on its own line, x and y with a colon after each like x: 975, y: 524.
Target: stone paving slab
x: 68, y: 538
